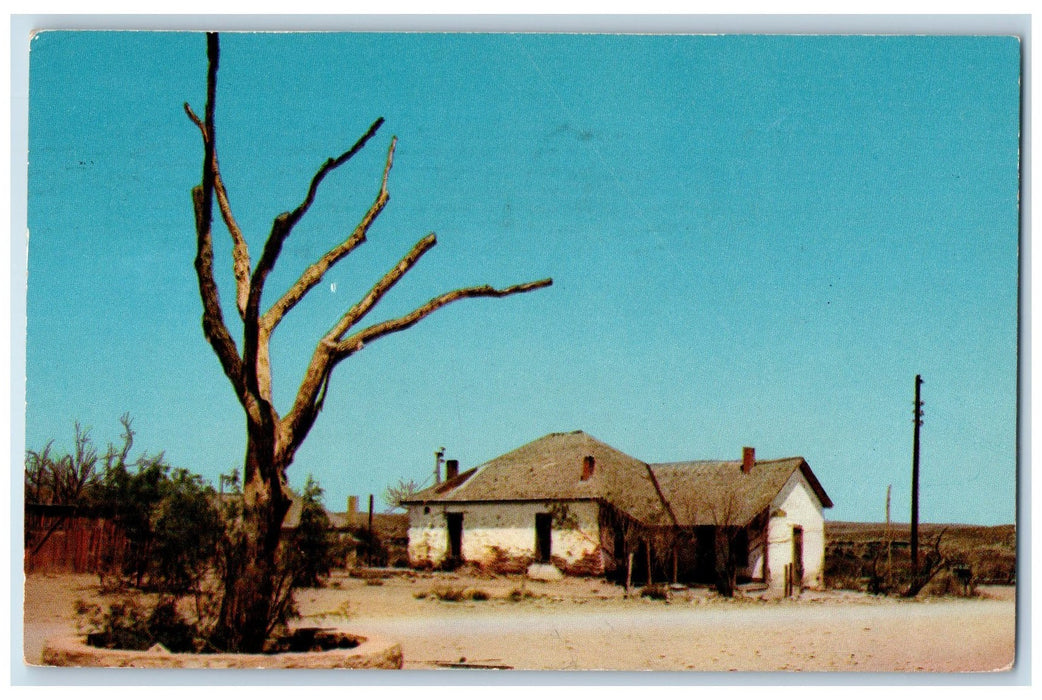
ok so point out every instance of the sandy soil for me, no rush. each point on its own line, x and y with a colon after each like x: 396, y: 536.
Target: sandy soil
x: 590, y: 624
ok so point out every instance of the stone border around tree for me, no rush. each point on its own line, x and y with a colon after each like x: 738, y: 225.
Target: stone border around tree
x: 371, y: 653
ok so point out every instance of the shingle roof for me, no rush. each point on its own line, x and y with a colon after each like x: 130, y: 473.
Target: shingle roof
x: 550, y: 468
x: 719, y: 493
x: 685, y: 493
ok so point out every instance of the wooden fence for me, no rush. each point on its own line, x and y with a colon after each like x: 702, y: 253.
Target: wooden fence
x: 60, y: 540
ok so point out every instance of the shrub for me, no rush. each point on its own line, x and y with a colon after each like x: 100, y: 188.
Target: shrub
x: 130, y: 625
x: 185, y: 529
x: 520, y: 593
x: 453, y: 594
x: 655, y: 591
x: 312, y: 545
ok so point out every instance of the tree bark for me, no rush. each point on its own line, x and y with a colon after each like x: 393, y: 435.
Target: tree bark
x: 249, y: 605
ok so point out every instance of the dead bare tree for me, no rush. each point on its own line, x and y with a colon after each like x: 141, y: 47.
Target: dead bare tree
x: 273, y: 439
x: 724, y: 512
x: 930, y: 566
x: 402, y: 491
x: 721, y: 508
x: 66, y: 478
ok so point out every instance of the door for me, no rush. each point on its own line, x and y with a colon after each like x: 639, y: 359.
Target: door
x: 542, y: 537
x: 454, y: 521
x: 705, y: 547
x: 797, y: 556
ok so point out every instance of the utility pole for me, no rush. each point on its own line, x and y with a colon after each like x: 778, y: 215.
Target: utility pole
x: 370, y: 530
x: 917, y: 421
x: 889, y: 539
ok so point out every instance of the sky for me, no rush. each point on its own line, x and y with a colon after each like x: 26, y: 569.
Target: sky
x: 754, y: 240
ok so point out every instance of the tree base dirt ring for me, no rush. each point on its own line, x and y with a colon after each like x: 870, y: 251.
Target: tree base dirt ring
x: 370, y: 653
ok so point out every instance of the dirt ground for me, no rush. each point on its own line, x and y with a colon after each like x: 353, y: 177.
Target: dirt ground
x: 589, y: 624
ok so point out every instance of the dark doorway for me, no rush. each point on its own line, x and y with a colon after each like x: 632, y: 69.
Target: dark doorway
x: 705, y: 547
x: 797, y: 556
x: 455, y: 526
x: 543, y: 523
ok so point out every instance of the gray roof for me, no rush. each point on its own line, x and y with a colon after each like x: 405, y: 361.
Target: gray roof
x: 685, y: 493
x: 719, y: 493
x: 550, y: 469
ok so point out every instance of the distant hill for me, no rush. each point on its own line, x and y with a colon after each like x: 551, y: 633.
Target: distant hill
x: 975, y: 534
x: 855, y: 553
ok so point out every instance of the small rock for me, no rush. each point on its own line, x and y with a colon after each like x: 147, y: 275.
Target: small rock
x: 544, y: 572
x: 158, y: 648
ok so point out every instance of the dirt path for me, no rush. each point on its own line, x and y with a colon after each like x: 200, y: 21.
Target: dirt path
x: 582, y: 624
x: 950, y: 635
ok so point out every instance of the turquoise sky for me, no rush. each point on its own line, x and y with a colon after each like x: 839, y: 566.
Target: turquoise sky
x: 754, y: 240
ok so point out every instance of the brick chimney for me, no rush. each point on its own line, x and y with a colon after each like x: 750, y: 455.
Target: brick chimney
x: 748, y: 459
x: 352, y: 505
x: 451, y: 469
x: 588, y: 466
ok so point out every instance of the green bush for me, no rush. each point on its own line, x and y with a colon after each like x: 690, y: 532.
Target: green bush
x: 130, y: 625
x: 186, y: 528
x: 312, y: 547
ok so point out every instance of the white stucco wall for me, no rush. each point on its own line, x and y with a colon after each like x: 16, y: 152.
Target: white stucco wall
x: 796, y: 505
x: 505, y: 533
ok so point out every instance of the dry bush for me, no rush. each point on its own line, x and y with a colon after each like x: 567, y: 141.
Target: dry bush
x: 521, y: 593
x: 655, y: 591
x: 454, y: 594
x: 948, y: 583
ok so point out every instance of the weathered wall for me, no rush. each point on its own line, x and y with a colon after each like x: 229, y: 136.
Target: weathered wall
x: 796, y: 505
x: 757, y: 533
x: 501, y: 536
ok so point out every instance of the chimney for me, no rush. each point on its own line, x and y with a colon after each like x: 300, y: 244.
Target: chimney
x: 748, y: 459
x: 587, y: 468
x: 451, y: 469
x: 352, y: 505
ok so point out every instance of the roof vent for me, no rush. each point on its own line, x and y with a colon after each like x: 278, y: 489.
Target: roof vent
x: 587, y: 468
x: 748, y: 459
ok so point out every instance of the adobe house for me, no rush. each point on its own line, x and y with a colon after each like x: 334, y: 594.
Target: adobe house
x: 573, y: 502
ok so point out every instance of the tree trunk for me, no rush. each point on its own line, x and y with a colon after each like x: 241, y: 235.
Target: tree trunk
x: 725, y: 568
x: 251, y: 603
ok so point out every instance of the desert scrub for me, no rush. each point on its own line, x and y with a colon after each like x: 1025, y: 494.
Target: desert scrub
x: 453, y: 594
x: 520, y: 593
x: 130, y: 625
x: 655, y: 591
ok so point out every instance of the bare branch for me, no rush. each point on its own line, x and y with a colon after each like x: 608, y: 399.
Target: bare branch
x: 240, y: 252
x: 357, y: 341
x: 214, y: 328
x: 331, y: 165
x: 284, y: 223
x: 257, y: 375
x: 357, y: 312
x: 313, y: 275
